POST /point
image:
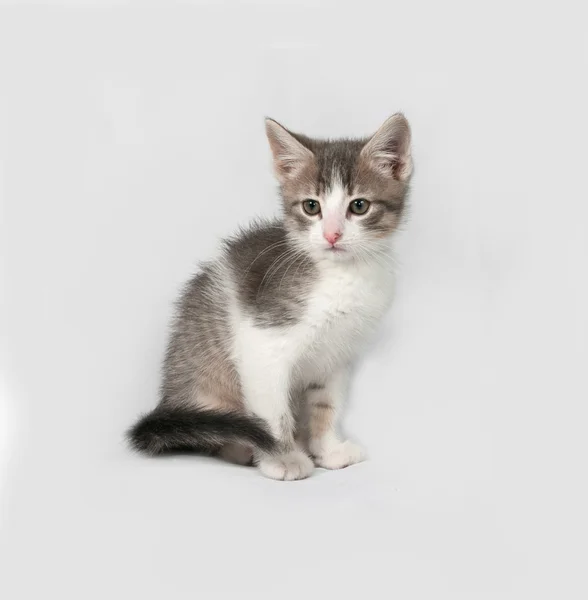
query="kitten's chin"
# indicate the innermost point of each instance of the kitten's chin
(335, 254)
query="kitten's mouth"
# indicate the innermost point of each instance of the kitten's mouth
(335, 249)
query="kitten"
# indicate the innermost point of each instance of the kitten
(258, 361)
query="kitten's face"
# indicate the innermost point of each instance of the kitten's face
(344, 198)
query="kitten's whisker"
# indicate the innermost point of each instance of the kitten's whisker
(380, 257)
(274, 245)
(301, 264)
(276, 262)
(300, 254)
(377, 256)
(385, 249)
(274, 268)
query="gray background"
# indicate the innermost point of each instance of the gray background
(131, 140)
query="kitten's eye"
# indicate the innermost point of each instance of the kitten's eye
(311, 207)
(359, 206)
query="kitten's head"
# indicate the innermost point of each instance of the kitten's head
(342, 198)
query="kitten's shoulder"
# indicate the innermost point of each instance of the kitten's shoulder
(254, 238)
(270, 274)
(255, 247)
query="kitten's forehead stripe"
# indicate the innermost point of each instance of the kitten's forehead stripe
(337, 162)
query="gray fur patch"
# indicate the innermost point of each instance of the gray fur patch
(271, 273)
(197, 361)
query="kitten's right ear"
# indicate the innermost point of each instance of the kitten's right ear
(288, 153)
(388, 150)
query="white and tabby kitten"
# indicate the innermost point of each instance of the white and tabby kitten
(257, 364)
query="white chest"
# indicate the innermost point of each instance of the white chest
(342, 310)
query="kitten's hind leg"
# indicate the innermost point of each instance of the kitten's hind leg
(237, 453)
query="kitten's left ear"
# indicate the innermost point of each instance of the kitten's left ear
(289, 154)
(388, 150)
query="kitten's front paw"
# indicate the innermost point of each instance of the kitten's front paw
(340, 455)
(287, 467)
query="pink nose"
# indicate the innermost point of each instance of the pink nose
(332, 237)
